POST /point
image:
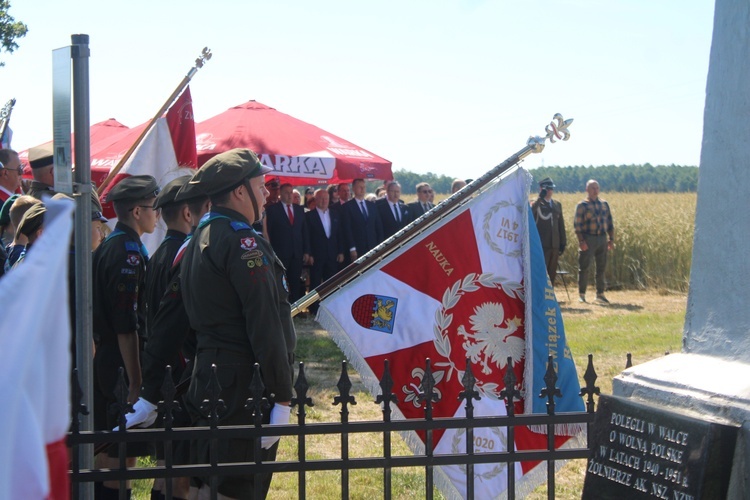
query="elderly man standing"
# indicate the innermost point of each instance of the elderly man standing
(422, 205)
(596, 236)
(551, 226)
(236, 297)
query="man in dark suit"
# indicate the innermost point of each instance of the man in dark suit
(362, 226)
(422, 205)
(287, 232)
(393, 212)
(326, 241)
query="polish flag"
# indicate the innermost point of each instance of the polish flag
(35, 366)
(166, 152)
(473, 285)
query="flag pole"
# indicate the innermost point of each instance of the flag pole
(557, 129)
(5, 116)
(199, 62)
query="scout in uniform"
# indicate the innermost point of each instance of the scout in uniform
(177, 218)
(119, 270)
(237, 300)
(170, 342)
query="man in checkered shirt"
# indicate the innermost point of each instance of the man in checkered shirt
(596, 236)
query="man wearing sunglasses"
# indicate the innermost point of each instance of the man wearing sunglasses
(422, 205)
(11, 171)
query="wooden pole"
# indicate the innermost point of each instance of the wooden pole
(199, 62)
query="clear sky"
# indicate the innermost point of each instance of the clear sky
(450, 87)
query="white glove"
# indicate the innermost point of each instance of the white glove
(279, 416)
(144, 414)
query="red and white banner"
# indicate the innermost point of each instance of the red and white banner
(35, 366)
(167, 152)
(457, 291)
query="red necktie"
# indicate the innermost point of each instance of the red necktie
(290, 213)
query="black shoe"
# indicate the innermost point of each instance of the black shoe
(601, 298)
(582, 298)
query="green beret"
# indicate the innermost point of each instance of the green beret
(189, 192)
(135, 187)
(5, 210)
(168, 194)
(41, 156)
(227, 170)
(32, 219)
(96, 206)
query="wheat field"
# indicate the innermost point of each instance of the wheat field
(653, 234)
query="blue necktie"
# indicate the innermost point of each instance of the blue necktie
(364, 210)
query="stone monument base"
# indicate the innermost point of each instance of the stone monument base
(710, 387)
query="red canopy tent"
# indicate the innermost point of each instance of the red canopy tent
(102, 134)
(300, 153)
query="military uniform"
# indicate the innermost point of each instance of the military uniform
(37, 189)
(119, 272)
(550, 223)
(236, 297)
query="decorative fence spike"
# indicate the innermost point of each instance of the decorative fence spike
(169, 405)
(510, 393)
(300, 388)
(469, 393)
(121, 407)
(629, 362)
(590, 389)
(213, 405)
(428, 394)
(551, 390)
(257, 403)
(386, 396)
(344, 386)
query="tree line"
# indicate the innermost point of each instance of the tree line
(623, 178)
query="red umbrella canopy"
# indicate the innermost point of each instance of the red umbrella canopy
(101, 134)
(300, 153)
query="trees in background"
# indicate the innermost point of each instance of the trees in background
(10, 30)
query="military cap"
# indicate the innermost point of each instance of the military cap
(135, 187)
(32, 219)
(41, 156)
(227, 170)
(5, 210)
(169, 193)
(189, 191)
(546, 183)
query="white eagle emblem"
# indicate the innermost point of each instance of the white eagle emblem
(492, 340)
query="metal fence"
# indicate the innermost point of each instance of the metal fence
(344, 430)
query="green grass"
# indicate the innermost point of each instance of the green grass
(609, 334)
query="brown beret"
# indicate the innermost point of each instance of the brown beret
(169, 193)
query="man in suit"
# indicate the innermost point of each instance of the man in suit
(287, 232)
(326, 241)
(422, 205)
(362, 226)
(394, 213)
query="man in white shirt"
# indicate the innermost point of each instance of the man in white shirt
(326, 241)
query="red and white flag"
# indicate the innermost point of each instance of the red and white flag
(35, 366)
(462, 289)
(166, 152)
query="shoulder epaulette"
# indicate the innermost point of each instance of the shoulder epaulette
(132, 246)
(239, 226)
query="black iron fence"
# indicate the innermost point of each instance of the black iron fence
(344, 430)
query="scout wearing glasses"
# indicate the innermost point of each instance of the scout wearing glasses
(119, 271)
